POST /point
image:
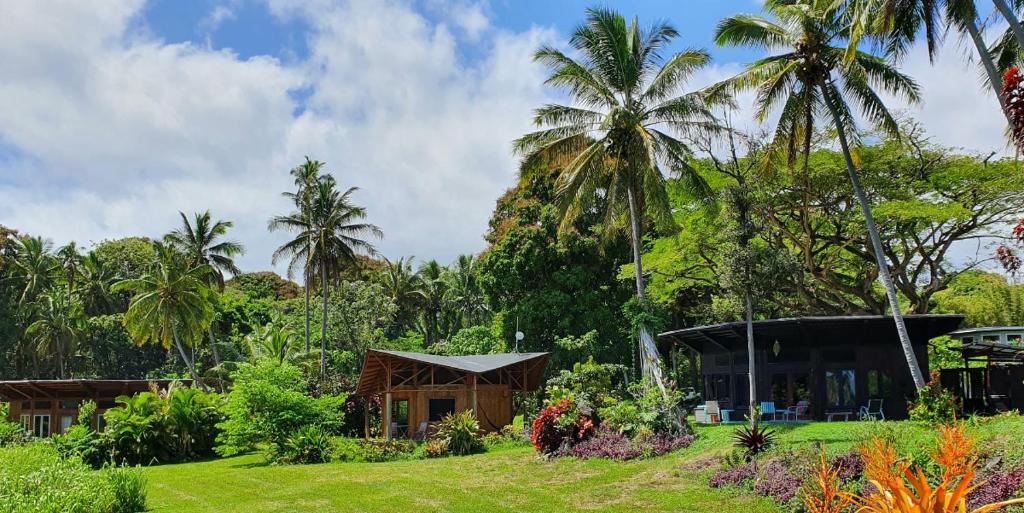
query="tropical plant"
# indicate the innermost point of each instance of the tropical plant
(464, 294)
(613, 140)
(273, 341)
(811, 76)
(329, 236)
(825, 493)
(58, 328)
(403, 286)
(94, 284)
(172, 305)
(305, 177)
(308, 444)
(435, 319)
(461, 433)
(70, 261)
(753, 440)
(33, 268)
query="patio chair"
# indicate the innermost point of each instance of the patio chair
(873, 410)
(768, 408)
(700, 414)
(713, 411)
(393, 430)
(801, 408)
(421, 432)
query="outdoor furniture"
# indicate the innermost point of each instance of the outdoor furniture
(421, 432)
(727, 414)
(845, 414)
(700, 415)
(873, 410)
(768, 408)
(801, 408)
(713, 411)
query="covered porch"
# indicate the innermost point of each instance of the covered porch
(992, 378)
(829, 366)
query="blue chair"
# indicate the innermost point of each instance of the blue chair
(768, 408)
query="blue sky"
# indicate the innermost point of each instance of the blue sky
(161, 106)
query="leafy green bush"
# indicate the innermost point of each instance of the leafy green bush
(83, 443)
(436, 448)
(36, 479)
(11, 433)
(934, 404)
(508, 436)
(588, 385)
(648, 411)
(374, 450)
(309, 444)
(267, 405)
(461, 432)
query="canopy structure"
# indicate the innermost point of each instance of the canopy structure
(992, 378)
(420, 389)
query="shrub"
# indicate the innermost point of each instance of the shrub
(934, 403)
(777, 482)
(589, 384)
(753, 440)
(83, 443)
(614, 445)
(738, 475)
(998, 487)
(648, 411)
(374, 450)
(11, 433)
(436, 448)
(308, 444)
(267, 405)
(461, 432)
(36, 479)
(848, 466)
(558, 425)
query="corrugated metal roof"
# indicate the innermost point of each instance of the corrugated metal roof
(472, 363)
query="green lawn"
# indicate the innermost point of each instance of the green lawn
(512, 480)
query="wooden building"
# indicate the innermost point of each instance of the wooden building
(423, 388)
(47, 407)
(836, 364)
(992, 378)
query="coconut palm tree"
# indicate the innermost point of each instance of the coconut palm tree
(33, 268)
(434, 290)
(404, 287)
(305, 177)
(329, 238)
(201, 242)
(172, 305)
(94, 285)
(621, 132)
(808, 78)
(58, 328)
(464, 292)
(273, 341)
(70, 260)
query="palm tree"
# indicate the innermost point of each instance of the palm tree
(34, 268)
(434, 290)
(1010, 16)
(305, 176)
(464, 292)
(70, 262)
(329, 237)
(809, 77)
(58, 328)
(202, 243)
(172, 304)
(613, 141)
(403, 286)
(273, 341)
(94, 285)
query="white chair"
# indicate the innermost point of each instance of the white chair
(713, 411)
(873, 410)
(801, 408)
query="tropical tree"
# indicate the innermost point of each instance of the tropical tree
(201, 242)
(274, 341)
(434, 291)
(172, 304)
(617, 137)
(305, 177)
(33, 268)
(464, 293)
(404, 287)
(329, 238)
(70, 260)
(809, 77)
(94, 284)
(58, 328)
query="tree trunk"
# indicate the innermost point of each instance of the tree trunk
(995, 80)
(188, 361)
(634, 223)
(60, 360)
(752, 377)
(306, 286)
(876, 243)
(1011, 18)
(323, 322)
(213, 345)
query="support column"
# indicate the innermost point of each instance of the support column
(366, 418)
(387, 416)
(476, 413)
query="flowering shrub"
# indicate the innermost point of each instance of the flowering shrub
(777, 482)
(934, 403)
(998, 487)
(737, 475)
(558, 425)
(1013, 96)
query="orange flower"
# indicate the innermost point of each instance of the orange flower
(955, 452)
(829, 497)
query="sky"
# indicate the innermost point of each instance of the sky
(117, 114)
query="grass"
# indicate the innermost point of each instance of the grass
(507, 480)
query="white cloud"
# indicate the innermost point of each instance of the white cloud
(115, 131)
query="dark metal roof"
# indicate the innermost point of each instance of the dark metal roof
(994, 351)
(374, 373)
(811, 330)
(36, 388)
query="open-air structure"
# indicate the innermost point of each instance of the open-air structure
(834, 365)
(48, 407)
(992, 378)
(420, 389)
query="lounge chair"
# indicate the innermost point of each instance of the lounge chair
(873, 410)
(801, 408)
(421, 432)
(713, 412)
(768, 408)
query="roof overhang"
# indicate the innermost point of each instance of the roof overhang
(58, 388)
(373, 378)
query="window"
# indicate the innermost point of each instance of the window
(840, 389)
(26, 422)
(879, 384)
(65, 423)
(1013, 339)
(439, 408)
(991, 338)
(69, 404)
(43, 405)
(41, 426)
(967, 340)
(26, 405)
(780, 389)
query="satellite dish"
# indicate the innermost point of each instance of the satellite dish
(520, 336)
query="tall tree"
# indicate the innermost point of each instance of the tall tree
(330, 236)
(94, 285)
(70, 260)
(810, 77)
(58, 328)
(33, 268)
(305, 177)
(201, 241)
(464, 292)
(404, 287)
(434, 291)
(171, 305)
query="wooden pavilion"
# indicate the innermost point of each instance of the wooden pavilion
(992, 378)
(47, 407)
(420, 389)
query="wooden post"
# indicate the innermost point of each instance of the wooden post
(387, 415)
(366, 418)
(475, 412)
